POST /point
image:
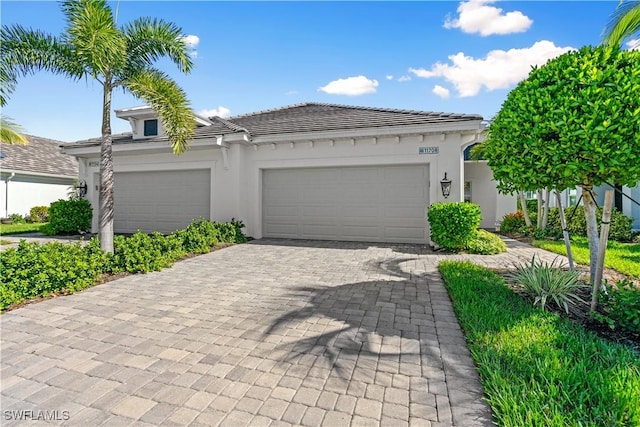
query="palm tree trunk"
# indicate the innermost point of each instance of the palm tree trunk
(589, 205)
(106, 175)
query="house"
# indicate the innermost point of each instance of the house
(626, 199)
(306, 171)
(35, 174)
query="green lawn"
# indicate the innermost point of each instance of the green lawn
(6, 229)
(538, 369)
(622, 257)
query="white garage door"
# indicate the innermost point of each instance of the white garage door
(374, 204)
(162, 201)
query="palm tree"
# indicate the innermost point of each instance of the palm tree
(624, 23)
(11, 132)
(92, 45)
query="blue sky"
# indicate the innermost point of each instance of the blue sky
(448, 56)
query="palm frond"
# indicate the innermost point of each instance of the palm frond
(11, 132)
(624, 23)
(149, 39)
(25, 51)
(92, 32)
(169, 101)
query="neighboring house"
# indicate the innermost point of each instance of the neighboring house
(626, 200)
(35, 174)
(307, 171)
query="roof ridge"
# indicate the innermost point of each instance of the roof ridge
(354, 107)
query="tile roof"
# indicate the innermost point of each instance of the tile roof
(318, 117)
(41, 155)
(312, 117)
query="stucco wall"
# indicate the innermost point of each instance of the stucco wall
(26, 192)
(237, 182)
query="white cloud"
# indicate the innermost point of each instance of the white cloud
(475, 16)
(192, 42)
(220, 112)
(402, 79)
(498, 70)
(633, 44)
(351, 86)
(442, 92)
(389, 77)
(291, 92)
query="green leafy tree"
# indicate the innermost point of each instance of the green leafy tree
(573, 122)
(624, 23)
(92, 45)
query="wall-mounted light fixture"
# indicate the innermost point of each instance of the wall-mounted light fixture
(446, 186)
(82, 188)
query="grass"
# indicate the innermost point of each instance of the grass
(4, 242)
(537, 368)
(6, 229)
(622, 257)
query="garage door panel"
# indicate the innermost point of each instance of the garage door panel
(382, 203)
(161, 201)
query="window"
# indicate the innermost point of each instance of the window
(467, 191)
(151, 127)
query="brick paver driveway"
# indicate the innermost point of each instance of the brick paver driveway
(273, 332)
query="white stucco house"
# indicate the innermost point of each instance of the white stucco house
(35, 174)
(307, 171)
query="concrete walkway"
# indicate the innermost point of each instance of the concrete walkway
(274, 332)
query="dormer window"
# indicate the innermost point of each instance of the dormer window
(151, 127)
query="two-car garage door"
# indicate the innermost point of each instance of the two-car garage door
(377, 203)
(162, 201)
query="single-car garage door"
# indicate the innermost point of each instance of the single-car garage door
(375, 204)
(162, 201)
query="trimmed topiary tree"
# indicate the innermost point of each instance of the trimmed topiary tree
(573, 122)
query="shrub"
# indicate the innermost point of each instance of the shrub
(17, 219)
(619, 228)
(69, 216)
(513, 223)
(39, 214)
(621, 305)
(32, 269)
(543, 281)
(532, 206)
(199, 236)
(486, 243)
(142, 253)
(454, 224)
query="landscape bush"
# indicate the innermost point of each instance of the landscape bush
(142, 253)
(619, 227)
(34, 269)
(69, 216)
(549, 282)
(39, 214)
(538, 369)
(17, 219)
(513, 223)
(621, 305)
(486, 243)
(454, 224)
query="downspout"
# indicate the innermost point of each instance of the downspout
(6, 194)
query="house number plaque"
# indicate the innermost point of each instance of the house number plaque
(427, 150)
